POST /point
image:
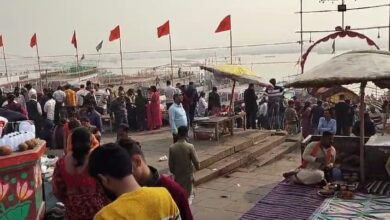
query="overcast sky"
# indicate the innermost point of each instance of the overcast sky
(193, 22)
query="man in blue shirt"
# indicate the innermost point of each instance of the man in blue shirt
(177, 115)
(327, 123)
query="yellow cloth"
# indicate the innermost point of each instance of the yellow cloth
(70, 98)
(146, 203)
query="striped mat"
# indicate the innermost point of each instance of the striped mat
(362, 207)
(286, 201)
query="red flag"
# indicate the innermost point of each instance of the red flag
(74, 40)
(163, 29)
(1, 40)
(225, 25)
(33, 41)
(115, 34)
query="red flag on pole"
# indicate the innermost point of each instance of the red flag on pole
(225, 25)
(115, 34)
(1, 40)
(33, 41)
(163, 29)
(74, 40)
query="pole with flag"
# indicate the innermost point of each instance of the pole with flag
(98, 49)
(162, 31)
(34, 43)
(74, 42)
(114, 35)
(226, 25)
(5, 60)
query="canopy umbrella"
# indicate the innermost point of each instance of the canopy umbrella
(347, 68)
(237, 73)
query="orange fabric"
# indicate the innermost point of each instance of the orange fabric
(94, 143)
(70, 98)
(329, 153)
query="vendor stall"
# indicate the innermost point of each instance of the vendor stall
(351, 67)
(21, 192)
(21, 184)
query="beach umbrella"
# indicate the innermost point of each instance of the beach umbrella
(351, 67)
(237, 73)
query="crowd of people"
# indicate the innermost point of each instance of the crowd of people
(114, 181)
(295, 116)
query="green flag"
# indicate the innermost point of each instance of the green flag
(99, 46)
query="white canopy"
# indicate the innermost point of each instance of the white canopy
(348, 68)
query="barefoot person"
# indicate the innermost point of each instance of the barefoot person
(318, 158)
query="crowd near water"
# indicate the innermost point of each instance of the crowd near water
(113, 180)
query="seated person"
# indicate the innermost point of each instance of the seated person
(327, 123)
(369, 127)
(317, 158)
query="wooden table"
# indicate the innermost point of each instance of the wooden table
(219, 122)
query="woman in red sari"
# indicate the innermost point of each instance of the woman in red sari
(71, 183)
(155, 121)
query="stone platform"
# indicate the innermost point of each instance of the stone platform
(217, 158)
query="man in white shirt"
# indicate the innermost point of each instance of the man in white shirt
(31, 91)
(49, 107)
(35, 113)
(80, 96)
(59, 96)
(177, 116)
(101, 99)
(169, 92)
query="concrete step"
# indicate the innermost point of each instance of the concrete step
(218, 153)
(238, 159)
(271, 156)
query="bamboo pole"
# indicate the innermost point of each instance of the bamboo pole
(231, 46)
(5, 65)
(386, 116)
(301, 42)
(77, 64)
(361, 118)
(170, 51)
(231, 62)
(120, 51)
(39, 67)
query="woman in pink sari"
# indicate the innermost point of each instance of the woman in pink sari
(154, 111)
